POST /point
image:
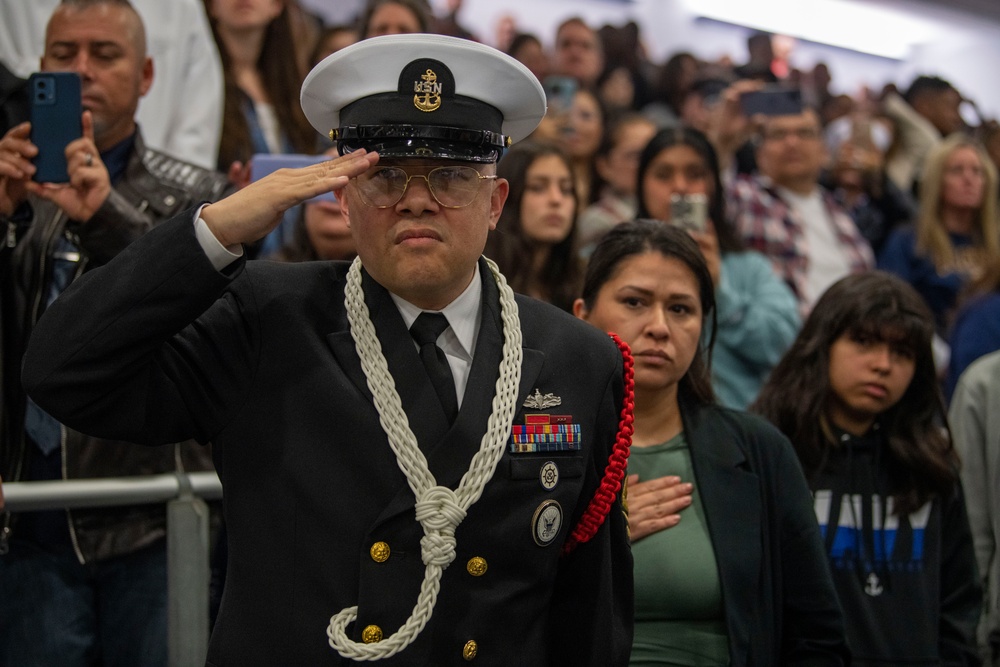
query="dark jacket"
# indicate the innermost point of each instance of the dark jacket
(260, 360)
(154, 187)
(779, 600)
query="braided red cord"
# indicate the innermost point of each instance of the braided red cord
(611, 484)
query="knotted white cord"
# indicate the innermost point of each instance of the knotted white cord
(438, 509)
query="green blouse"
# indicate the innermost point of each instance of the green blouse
(679, 618)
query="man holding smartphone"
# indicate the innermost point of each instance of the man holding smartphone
(106, 567)
(374, 424)
(782, 210)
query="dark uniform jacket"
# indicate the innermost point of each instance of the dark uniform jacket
(159, 346)
(153, 188)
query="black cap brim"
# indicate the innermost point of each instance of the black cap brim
(423, 141)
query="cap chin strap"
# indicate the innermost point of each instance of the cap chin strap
(438, 509)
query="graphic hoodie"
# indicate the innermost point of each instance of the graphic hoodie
(907, 584)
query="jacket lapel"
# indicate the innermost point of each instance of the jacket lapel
(449, 456)
(730, 493)
(411, 381)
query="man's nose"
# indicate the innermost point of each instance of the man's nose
(82, 64)
(417, 197)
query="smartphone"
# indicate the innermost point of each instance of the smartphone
(772, 102)
(689, 212)
(559, 93)
(263, 164)
(55, 122)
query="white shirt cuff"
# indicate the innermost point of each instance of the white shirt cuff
(219, 255)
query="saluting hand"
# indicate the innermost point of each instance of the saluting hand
(656, 505)
(249, 214)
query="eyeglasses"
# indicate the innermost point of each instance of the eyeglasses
(452, 187)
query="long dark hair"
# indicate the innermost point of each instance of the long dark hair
(641, 236)
(281, 75)
(796, 397)
(698, 142)
(614, 131)
(513, 251)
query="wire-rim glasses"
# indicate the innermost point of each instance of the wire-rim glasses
(451, 187)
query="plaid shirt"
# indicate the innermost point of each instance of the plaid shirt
(766, 223)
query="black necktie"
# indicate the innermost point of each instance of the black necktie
(425, 330)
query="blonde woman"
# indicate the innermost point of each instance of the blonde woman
(956, 233)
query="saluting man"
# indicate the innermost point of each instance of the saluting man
(405, 446)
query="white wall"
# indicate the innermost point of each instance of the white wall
(958, 47)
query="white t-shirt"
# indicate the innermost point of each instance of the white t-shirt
(828, 261)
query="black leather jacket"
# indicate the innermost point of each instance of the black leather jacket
(154, 188)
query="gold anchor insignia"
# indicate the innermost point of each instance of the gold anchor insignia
(538, 401)
(427, 91)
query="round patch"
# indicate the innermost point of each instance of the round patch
(546, 522)
(549, 475)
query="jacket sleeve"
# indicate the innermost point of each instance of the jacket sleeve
(758, 314)
(592, 608)
(113, 227)
(120, 355)
(813, 630)
(968, 421)
(961, 593)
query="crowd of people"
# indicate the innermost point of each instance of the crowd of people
(811, 295)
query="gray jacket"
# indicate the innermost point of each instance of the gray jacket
(975, 426)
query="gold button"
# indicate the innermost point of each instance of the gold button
(371, 634)
(380, 552)
(470, 650)
(476, 566)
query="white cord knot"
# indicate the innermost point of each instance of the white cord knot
(438, 549)
(438, 510)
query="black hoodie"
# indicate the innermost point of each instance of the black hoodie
(907, 584)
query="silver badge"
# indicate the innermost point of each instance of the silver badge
(549, 475)
(540, 401)
(546, 522)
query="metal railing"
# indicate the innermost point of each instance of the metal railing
(187, 539)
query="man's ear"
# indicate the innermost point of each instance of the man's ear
(501, 188)
(147, 76)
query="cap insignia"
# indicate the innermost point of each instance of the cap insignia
(427, 92)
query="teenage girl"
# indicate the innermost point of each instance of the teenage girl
(858, 397)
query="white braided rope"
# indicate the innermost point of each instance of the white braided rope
(438, 509)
